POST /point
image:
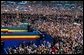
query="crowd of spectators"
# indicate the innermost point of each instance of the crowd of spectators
(67, 30)
(67, 34)
(70, 31)
(61, 47)
(42, 7)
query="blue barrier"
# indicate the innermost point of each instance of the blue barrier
(12, 43)
(22, 33)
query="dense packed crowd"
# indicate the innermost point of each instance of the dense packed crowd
(61, 47)
(67, 31)
(70, 31)
(42, 7)
(67, 34)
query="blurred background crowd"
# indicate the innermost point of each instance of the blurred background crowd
(63, 20)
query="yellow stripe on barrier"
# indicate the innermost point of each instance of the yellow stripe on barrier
(16, 30)
(19, 36)
(4, 30)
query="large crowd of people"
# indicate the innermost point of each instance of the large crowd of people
(47, 8)
(65, 26)
(45, 48)
(70, 31)
(60, 47)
